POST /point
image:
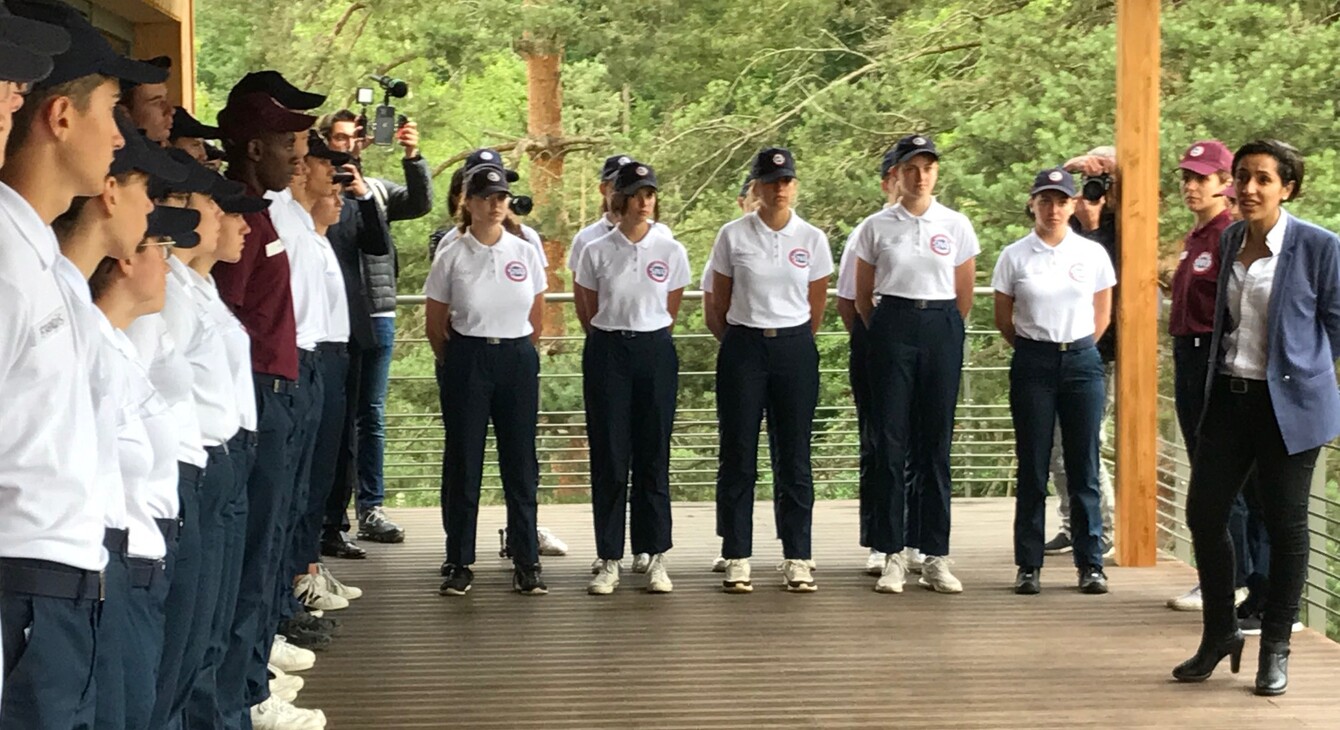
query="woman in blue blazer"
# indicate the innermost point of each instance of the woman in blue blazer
(1271, 403)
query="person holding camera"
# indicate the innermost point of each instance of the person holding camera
(516, 207)
(1094, 218)
(372, 310)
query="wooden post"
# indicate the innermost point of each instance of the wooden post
(1137, 309)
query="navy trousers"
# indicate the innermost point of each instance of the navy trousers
(243, 680)
(307, 417)
(49, 650)
(776, 370)
(207, 704)
(631, 381)
(915, 364)
(333, 361)
(113, 643)
(1047, 383)
(481, 380)
(181, 604)
(142, 641)
(858, 376)
(217, 492)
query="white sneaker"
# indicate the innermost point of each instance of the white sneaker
(606, 580)
(894, 575)
(598, 563)
(658, 579)
(1239, 596)
(718, 564)
(284, 679)
(286, 688)
(798, 577)
(549, 542)
(1189, 601)
(290, 658)
(311, 592)
(276, 714)
(914, 559)
(935, 575)
(335, 587)
(874, 563)
(641, 563)
(737, 577)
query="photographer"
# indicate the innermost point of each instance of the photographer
(372, 319)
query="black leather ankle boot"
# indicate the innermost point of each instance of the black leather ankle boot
(1199, 667)
(1272, 673)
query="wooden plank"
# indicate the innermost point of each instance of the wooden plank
(1137, 307)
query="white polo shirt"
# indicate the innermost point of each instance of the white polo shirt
(50, 506)
(1053, 286)
(200, 339)
(599, 229)
(846, 279)
(171, 375)
(771, 270)
(633, 281)
(237, 345)
(307, 267)
(337, 298)
(915, 256)
(146, 450)
(490, 289)
(530, 235)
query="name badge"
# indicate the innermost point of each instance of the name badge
(274, 248)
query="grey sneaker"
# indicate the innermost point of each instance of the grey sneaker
(737, 577)
(374, 525)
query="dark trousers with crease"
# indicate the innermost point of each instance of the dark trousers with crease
(333, 362)
(858, 376)
(776, 370)
(1240, 433)
(181, 604)
(143, 641)
(307, 417)
(915, 363)
(631, 381)
(1191, 366)
(113, 643)
(481, 381)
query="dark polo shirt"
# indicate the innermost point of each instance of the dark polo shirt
(1195, 283)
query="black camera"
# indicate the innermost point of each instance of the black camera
(342, 178)
(385, 121)
(521, 205)
(1095, 187)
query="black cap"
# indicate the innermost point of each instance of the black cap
(175, 223)
(185, 126)
(89, 52)
(242, 204)
(274, 85)
(33, 36)
(317, 147)
(23, 66)
(199, 179)
(633, 177)
(141, 154)
(1056, 178)
(907, 148)
(489, 157)
(485, 180)
(773, 164)
(744, 188)
(163, 62)
(612, 165)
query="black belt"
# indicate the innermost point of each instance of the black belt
(217, 452)
(488, 340)
(632, 334)
(892, 302)
(242, 440)
(274, 383)
(1196, 341)
(771, 332)
(53, 580)
(188, 472)
(144, 571)
(115, 540)
(1082, 343)
(1241, 386)
(307, 358)
(332, 347)
(170, 527)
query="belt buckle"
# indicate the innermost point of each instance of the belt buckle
(627, 334)
(1063, 346)
(919, 304)
(102, 585)
(770, 332)
(277, 385)
(1237, 386)
(492, 340)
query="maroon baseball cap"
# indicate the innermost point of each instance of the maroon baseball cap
(248, 116)
(1207, 158)
(1229, 192)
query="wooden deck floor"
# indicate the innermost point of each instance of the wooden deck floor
(842, 657)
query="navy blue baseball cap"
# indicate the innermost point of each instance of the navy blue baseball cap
(33, 36)
(274, 85)
(612, 165)
(175, 223)
(1056, 178)
(242, 204)
(89, 53)
(905, 149)
(487, 157)
(139, 153)
(185, 126)
(634, 176)
(485, 180)
(198, 179)
(22, 65)
(317, 147)
(773, 164)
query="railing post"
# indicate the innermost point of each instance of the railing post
(1314, 616)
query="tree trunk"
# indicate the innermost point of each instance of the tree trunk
(544, 86)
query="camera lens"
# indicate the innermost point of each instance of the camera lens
(1095, 188)
(522, 205)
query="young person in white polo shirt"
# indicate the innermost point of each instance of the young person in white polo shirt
(1053, 302)
(919, 258)
(770, 288)
(631, 282)
(484, 315)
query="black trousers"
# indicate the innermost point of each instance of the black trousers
(915, 364)
(481, 381)
(345, 484)
(631, 381)
(1238, 434)
(333, 361)
(776, 370)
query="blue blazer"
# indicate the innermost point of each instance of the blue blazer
(1303, 322)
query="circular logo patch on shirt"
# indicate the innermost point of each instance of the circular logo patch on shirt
(1202, 263)
(940, 244)
(779, 159)
(1055, 176)
(658, 271)
(800, 258)
(516, 271)
(1079, 273)
(1197, 151)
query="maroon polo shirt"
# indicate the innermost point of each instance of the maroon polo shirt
(257, 289)
(1196, 280)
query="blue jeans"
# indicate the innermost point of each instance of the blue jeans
(372, 415)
